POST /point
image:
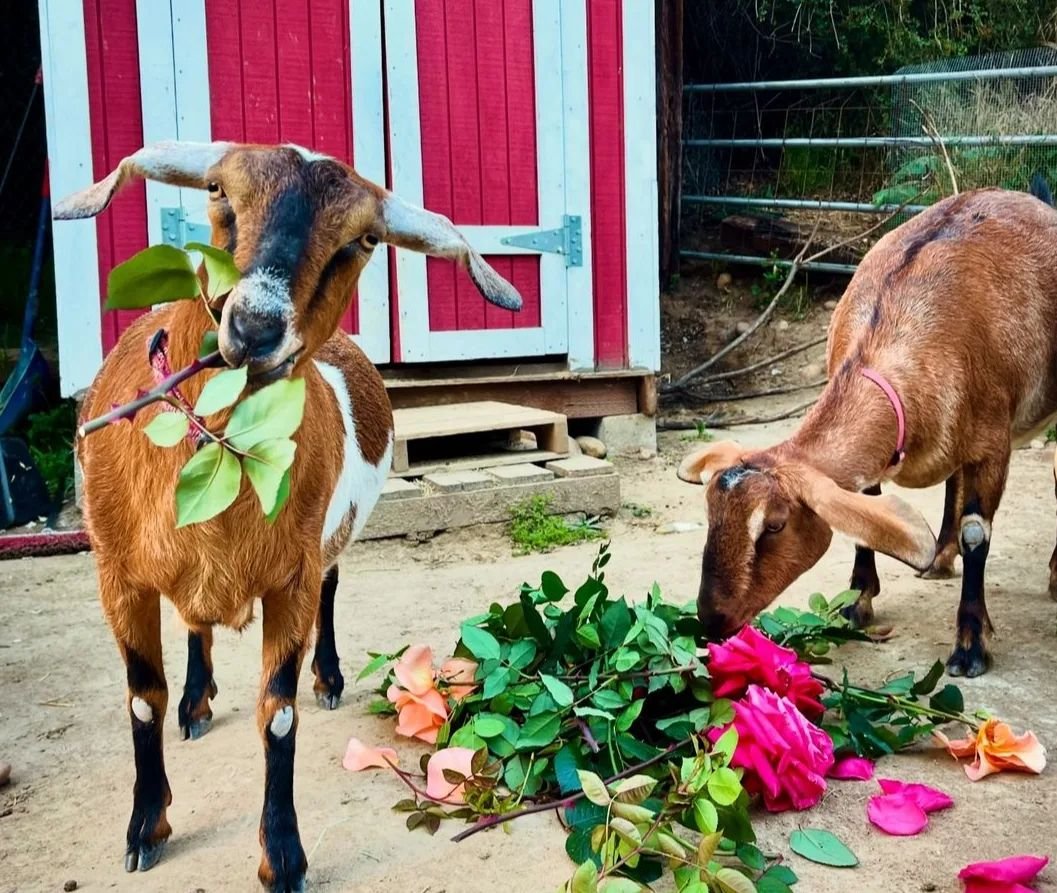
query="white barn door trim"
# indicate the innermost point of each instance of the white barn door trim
(187, 117)
(555, 118)
(64, 62)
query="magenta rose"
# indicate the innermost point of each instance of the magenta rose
(750, 658)
(785, 757)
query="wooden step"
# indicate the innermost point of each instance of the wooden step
(490, 419)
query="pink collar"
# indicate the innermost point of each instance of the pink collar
(878, 379)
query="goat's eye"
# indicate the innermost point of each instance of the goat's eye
(369, 240)
(214, 190)
(774, 526)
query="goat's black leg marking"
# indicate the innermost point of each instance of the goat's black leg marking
(983, 490)
(864, 580)
(1053, 557)
(194, 711)
(947, 544)
(283, 862)
(329, 682)
(148, 828)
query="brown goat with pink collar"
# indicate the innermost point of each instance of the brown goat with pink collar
(942, 355)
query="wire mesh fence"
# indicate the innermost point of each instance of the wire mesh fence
(765, 161)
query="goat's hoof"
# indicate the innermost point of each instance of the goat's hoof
(860, 615)
(196, 728)
(939, 572)
(144, 857)
(283, 866)
(972, 661)
(1053, 590)
(328, 700)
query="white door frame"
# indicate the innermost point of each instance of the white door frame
(561, 132)
(188, 118)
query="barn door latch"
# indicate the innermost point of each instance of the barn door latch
(177, 230)
(566, 241)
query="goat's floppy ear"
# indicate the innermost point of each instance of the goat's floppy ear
(178, 163)
(882, 523)
(429, 233)
(708, 460)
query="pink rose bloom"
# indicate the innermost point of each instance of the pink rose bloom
(750, 658)
(784, 756)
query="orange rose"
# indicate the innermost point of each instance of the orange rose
(997, 749)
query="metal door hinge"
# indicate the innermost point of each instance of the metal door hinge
(177, 230)
(567, 241)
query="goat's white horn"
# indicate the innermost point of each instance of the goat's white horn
(421, 230)
(178, 163)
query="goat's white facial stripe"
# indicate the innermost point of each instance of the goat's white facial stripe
(282, 721)
(142, 710)
(756, 523)
(266, 293)
(360, 483)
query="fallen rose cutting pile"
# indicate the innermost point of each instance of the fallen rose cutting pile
(654, 746)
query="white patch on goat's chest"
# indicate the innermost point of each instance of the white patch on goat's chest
(360, 483)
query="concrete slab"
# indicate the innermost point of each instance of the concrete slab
(580, 466)
(521, 474)
(398, 488)
(628, 435)
(458, 481)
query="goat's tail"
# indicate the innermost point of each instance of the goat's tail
(1040, 188)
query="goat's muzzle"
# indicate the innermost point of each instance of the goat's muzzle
(258, 330)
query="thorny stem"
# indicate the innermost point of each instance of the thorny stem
(886, 700)
(405, 777)
(159, 392)
(491, 821)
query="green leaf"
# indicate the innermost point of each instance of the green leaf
(615, 623)
(466, 737)
(729, 880)
(167, 428)
(607, 699)
(598, 714)
(588, 636)
(209, 344)
(156, 275)
(639, 814)
(628, 717)
(634, 789)
(280, 498)
(221, 391)
(539, 731)
(220, 268)
(496, 682)
(928, 683)
(585, 879)
(949, 699)
(776, 879)
(208, 484)
(266, 466)
(620, 885)
(822, 847)
(376, 663)
(566, 764)
(724, 786)
(522, 653)
(552, 587)
(726, 743)
(272, 412)
(751, 857)
(562, 694)
(627, 830)
(594, 788)
(534, 622)
(488, 725)
(705, 816)
(722, 713)
(817, 603)
(482, 644)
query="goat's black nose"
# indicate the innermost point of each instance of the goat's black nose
(256, 335)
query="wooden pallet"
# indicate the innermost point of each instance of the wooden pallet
(489, 418)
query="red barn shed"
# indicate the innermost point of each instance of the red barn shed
(530, 123)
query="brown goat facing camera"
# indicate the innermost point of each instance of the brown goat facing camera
(942, 354)
(301, 228)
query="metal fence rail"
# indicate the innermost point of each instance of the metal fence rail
(841, 147)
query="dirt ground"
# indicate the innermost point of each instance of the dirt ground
(63, 724)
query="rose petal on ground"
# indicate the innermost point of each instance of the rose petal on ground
(1011, 870)
(928, 798)
(975, 885)
(896, 814)
(359, 756)
(852, 769)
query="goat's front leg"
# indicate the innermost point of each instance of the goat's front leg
(947, 544)
(864, 580)
(135, 618)
(194, 712)
(984, 484)
(288, 618)
(1053, 557)
(329, 682)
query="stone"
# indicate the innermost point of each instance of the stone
(811, 371)
(830, 305)
(574, 447)
(581, 466)
(724, 281)
(1038, 444)
(457, 481)
(742, 327)
(399, 488)
(521, 441)
(783, 325)
(591, 446)
(5, 773)
(681, 527)
(625, 435)
(647, 455)
(69, 886)
(521, 474)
